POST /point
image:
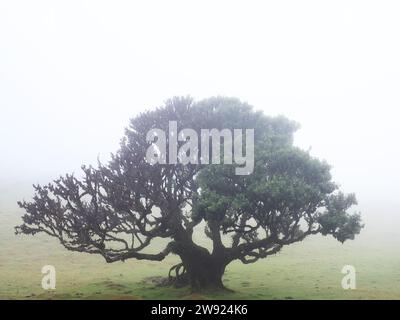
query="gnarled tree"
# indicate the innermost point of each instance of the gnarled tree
(121, 208)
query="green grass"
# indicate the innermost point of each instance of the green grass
(308, 270)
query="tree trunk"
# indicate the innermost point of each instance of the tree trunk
(204, 270)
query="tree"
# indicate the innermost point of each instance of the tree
(119, 209)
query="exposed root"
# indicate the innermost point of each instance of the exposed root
(180, 278)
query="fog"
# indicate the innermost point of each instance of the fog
(73, 73)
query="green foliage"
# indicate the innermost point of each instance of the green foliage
(336, 221)
(289, 195)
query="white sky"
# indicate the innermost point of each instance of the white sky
(72, 73)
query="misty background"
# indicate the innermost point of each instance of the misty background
(73, 73)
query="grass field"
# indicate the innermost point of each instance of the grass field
(308, 270)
